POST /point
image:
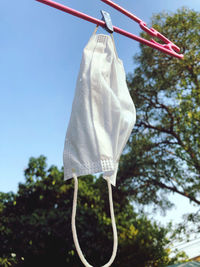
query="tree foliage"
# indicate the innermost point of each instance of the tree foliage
(163, 154)
(35, 224)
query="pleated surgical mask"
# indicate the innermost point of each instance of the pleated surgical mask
(102, 118)
(103, 113)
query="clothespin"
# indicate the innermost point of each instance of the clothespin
(108, 21)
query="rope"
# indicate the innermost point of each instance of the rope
(115, 241)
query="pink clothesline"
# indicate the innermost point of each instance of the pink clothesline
(167, 48)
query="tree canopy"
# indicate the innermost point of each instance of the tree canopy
(35, 224)
(163, 154)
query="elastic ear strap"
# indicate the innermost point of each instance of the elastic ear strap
(115, 243)
(74, 223)
(95, 30)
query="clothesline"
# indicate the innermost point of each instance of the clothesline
(168, 48)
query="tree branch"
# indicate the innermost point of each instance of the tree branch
(175, 190)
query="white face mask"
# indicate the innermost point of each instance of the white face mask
(101, 122)
(103, 114)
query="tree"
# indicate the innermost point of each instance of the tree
(35, 223)
(163, 154)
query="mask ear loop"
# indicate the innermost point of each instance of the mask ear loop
(73, 222)
(95, 30)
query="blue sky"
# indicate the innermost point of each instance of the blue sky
(40, 54)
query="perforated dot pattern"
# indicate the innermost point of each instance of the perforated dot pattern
(103, 165)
